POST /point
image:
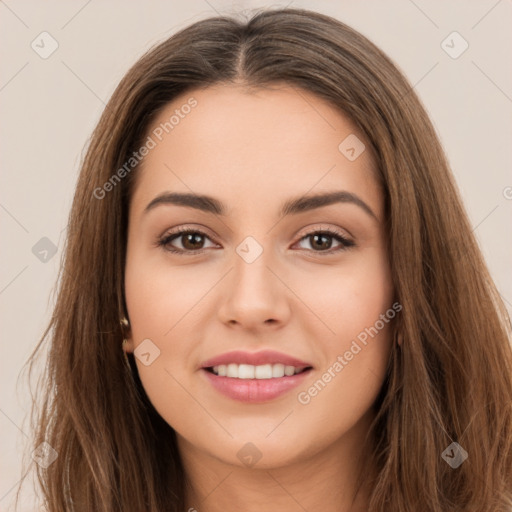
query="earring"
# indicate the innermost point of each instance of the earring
(125, 324)
(125, 355)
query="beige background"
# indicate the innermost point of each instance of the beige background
(50, 106)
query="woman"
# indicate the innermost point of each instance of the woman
(266, 227)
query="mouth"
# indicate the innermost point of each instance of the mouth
(260, 372)
(254, 377)
(255, 383)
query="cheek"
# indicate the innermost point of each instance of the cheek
(350, 297)
(161, 303)
(158, 296)
(167, 306)
(356, 303)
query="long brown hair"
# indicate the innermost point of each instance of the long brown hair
(451, 380)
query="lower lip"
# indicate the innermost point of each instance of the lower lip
(254, 390)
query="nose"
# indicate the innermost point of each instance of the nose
(254, 294)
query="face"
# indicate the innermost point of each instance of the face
(268, 321)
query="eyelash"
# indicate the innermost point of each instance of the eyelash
(164, 242)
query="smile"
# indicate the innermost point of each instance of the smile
(254, 377)
(249, 371)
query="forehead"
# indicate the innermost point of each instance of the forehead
(253, 145)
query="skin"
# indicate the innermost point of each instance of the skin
(253, 150)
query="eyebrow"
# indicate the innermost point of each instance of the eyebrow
(292, 206)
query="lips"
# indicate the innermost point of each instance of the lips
(254, 377)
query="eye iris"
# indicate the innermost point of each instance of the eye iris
(192, 238)
(326, 245)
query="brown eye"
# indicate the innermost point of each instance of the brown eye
(322, 241)
(192, 241)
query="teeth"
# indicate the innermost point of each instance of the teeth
(289, 371)
(248, 371)
(263, 372)
(278, 370)
(232, 370)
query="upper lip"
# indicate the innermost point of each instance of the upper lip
(255, 359)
